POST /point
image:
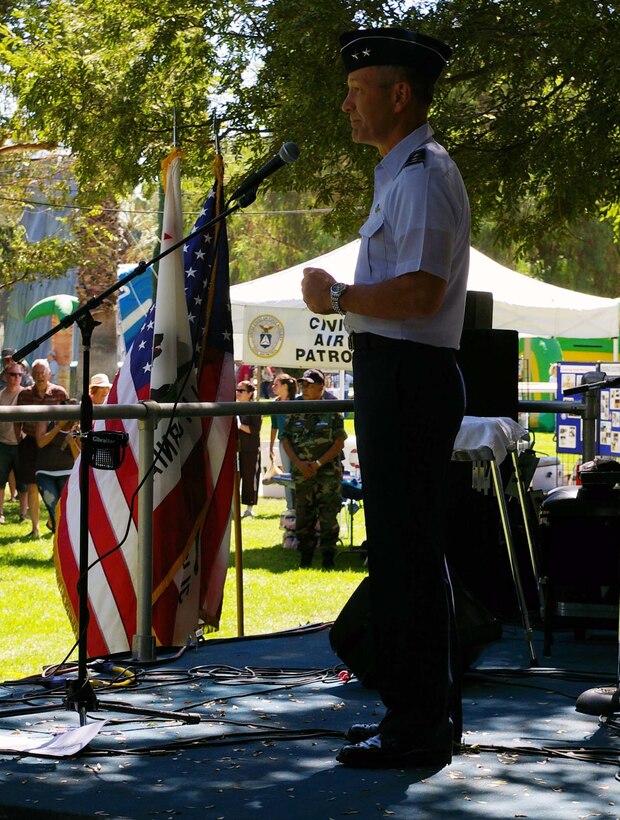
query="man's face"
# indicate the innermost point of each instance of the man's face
(40, 374)
(310, 391)
(13, 377)
(369, 105)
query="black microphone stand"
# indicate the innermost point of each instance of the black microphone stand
(602, 700)
(80, 696)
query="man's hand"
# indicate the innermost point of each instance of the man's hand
(308, 469)
(315, 290)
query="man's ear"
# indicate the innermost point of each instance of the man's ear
(401, 95)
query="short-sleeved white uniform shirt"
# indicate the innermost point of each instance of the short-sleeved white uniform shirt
(419, 220)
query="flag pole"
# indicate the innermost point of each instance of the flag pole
(143, 641)
(236, 480)
(238, 549)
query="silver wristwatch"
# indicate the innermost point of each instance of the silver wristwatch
(335, 292)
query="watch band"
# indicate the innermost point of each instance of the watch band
(335, 292)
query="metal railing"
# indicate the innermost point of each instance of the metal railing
(149, 413)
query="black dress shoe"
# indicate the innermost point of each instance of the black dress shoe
(361, 731)
(305, 561)
(380, 752)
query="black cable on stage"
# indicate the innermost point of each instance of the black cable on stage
(504, 677)
(279, 679)
(271, 680)
(260, 736)
(223, 674)
(52, 679)
(595, 754)
(285, 633)
(543, 672)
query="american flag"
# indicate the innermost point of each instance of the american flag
(193, 458)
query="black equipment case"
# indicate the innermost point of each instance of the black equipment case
(579, 553)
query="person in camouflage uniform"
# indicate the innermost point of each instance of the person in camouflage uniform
(314, 444)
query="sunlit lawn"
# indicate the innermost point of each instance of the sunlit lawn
(35, 631)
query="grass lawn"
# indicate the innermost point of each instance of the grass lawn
(35, 631)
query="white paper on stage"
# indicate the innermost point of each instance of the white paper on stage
(64, 744)
(483, 438)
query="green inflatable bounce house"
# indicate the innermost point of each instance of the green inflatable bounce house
(538, 355)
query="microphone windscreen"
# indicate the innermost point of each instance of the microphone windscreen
(289, 152)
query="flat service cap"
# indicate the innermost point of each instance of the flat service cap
(394, 46)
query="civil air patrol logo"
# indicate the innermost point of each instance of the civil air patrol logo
(265, 335)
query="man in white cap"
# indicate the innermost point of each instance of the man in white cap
(404, 314)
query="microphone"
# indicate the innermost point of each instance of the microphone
(288, 153)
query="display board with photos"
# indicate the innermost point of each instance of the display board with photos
(568, 426)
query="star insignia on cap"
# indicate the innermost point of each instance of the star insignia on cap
(355, 56)
(366, 52)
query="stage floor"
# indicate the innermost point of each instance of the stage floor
(272, 712)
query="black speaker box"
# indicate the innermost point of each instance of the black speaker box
(478, 310)
(489, 362)
(351, 640)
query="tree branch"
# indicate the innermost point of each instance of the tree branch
(28, 146)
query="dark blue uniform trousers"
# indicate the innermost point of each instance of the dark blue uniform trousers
(409, 403)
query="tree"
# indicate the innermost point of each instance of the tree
(275, 235)
(529, 109)
(29, 179)
(529, 105)
(536, 131)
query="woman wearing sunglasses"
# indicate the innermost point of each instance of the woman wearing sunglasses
(249, 449)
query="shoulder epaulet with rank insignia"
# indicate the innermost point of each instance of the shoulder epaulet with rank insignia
(415, 157)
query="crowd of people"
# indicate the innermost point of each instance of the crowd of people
(36, 457)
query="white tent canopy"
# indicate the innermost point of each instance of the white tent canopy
(273, 327)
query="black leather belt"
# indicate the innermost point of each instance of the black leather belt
(370, 341)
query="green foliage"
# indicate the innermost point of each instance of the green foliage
(108, 80)
(26, 181)
(22, 261)
(529, 105)
(85, 237)
(533, 112)
(585, 259)
(275, 234)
